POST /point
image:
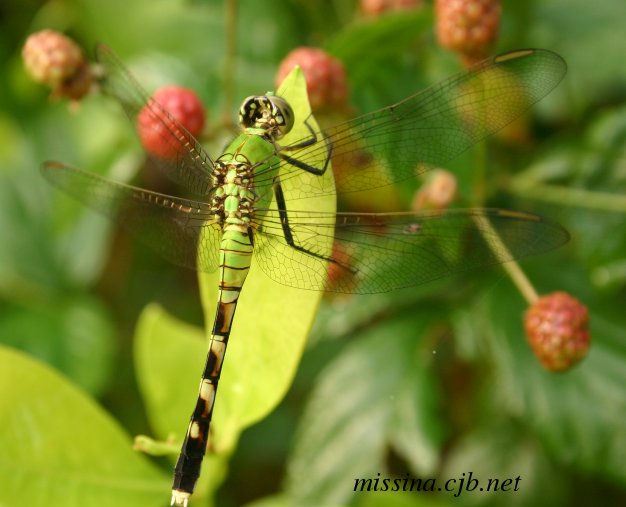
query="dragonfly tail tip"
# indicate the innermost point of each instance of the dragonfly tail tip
(180, 498)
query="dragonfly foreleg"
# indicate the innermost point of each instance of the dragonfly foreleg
(318, 171)
(305, 142)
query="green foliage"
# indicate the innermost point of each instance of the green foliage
(60, 447)
(387, 388)
(566, 414)
(433, 382)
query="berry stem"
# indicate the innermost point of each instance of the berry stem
(521, 281)
(512, 268)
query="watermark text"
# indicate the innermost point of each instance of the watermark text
(466, 482)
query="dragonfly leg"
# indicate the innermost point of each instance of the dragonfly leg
(318, 171)
(284, 220)
(305, 142)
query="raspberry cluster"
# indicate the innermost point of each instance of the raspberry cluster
(469, 27)
(57, 61)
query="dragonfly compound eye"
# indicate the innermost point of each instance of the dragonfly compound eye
(267, 112)
(282, 113)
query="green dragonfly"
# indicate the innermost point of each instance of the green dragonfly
(252, 199)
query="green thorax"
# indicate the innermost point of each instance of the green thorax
(248, 155)
(251, 148)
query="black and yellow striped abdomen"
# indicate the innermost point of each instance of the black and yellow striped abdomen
(235, 257)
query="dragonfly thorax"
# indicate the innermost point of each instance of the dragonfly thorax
(234, 193)
(269, 113)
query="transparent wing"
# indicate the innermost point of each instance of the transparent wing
(187, 163)
(432, 127)
(182, 230)
(382, 252)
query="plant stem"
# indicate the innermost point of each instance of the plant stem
(512, 268)
(228, 80)
(521, 281)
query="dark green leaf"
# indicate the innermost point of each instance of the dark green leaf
(366, 398)
(75, 336)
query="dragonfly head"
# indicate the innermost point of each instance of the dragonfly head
(267, 112)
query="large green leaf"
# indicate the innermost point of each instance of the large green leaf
(591, 48)
(60, 448)
(378, 39)
(168, 356)
(272, 321)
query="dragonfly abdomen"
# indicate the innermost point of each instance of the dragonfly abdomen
(235, 258)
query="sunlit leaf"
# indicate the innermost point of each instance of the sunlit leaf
(61, 449)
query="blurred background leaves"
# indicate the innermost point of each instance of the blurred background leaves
(435, 381)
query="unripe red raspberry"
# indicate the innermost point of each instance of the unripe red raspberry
(57, 61)
(437, 192)
(325, 76)
(377, 7)
(156, 130)
(557, 328)
(469, 27)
